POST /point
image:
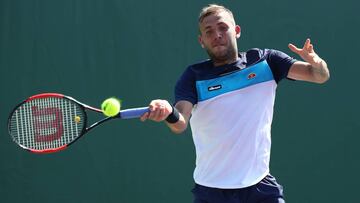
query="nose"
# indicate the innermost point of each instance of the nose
(218, 34)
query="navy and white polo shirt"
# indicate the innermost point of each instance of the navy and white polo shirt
(232, 115)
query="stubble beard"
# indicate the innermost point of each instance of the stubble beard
(226, 57)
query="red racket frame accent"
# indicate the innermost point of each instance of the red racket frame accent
(47, 151)
(43, 95)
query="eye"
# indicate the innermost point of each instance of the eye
(223, 28)
(209, 32)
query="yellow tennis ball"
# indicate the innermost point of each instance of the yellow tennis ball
(111, 107)
(77, 119)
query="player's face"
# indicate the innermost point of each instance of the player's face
(218, 34)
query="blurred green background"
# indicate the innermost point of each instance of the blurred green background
(136, 50)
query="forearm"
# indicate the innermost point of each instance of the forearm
(183, 112)
(178, 127)
(311, 72)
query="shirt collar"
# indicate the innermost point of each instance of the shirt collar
(239, 63)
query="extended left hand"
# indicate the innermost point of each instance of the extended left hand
(307, 53)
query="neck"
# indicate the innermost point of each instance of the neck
(227, 61)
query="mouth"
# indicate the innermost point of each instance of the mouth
(218, 45)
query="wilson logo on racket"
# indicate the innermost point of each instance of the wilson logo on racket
(47, 123)
(213, 88)
(251, 76)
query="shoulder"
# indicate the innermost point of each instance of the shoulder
(272, 56)
(256, 55)
(185, 88)
(192, 72)
(278, 61)
(200, 66)
(198, 71)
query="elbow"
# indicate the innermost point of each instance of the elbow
(178, 128)
(178, 131)
(324, 73)
(324, 78)
(320, 76)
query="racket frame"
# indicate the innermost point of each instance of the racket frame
(85, 127)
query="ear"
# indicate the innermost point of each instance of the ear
(201, 41)
(238, 31)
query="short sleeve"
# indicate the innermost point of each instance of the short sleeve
(185, 88)
(279, 63)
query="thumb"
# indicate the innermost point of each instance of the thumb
(293, 48)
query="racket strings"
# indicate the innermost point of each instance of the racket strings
(47, 123)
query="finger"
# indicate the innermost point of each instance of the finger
(144, 117)
(307, 44)
(152, 109)
(294, 48)
(159, 115)
(152, 114)
(311, 48)
(161, 112)
(152, 106)
(155, 114)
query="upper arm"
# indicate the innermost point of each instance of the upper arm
(185, 108)
(185, 89)
(280, 63)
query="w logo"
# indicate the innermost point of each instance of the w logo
(47, 123)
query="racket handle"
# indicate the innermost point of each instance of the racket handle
(133, 113)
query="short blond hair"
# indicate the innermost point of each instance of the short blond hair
(213, 9)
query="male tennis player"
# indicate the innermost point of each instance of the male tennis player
(230, 100)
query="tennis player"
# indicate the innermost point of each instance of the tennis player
(229, 101)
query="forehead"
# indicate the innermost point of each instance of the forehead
(216, 18)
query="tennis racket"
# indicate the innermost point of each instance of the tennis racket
(50, 122)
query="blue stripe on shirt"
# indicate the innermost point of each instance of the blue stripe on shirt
(252, 75)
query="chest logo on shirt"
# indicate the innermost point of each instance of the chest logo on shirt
(251, 76)
(216, 87)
